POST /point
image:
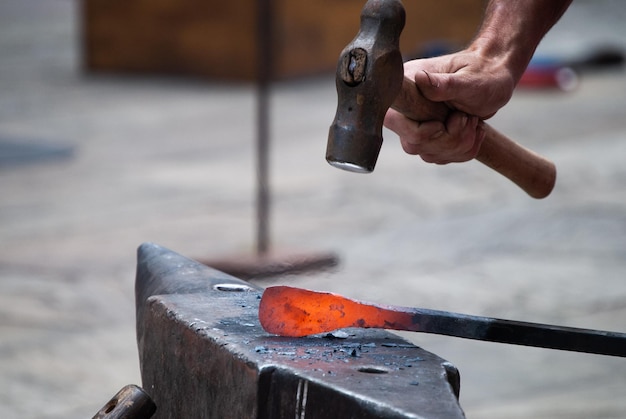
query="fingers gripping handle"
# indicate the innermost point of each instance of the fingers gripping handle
(370, 79)
(532, 172)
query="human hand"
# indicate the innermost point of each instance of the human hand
(467, 81)
(457, 140)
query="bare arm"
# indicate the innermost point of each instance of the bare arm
(511, 30)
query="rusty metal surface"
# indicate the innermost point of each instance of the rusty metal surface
(203, 353)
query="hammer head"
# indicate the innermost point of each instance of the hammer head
(369, 77)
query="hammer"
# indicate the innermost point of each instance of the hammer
(370, 79)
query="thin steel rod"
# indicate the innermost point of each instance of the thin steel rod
(521, 333)
(264, 77)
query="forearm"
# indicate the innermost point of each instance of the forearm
(512, 29)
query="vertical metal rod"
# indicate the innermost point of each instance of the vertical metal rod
(264, 77)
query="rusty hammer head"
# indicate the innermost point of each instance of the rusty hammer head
(369, 77)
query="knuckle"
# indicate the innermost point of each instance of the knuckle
(409, 148)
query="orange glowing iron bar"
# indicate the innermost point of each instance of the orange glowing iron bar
(297, 312)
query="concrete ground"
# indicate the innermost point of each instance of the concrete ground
(90, 167)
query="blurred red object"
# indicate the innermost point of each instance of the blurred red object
(549, 76)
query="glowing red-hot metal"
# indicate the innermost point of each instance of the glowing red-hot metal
(297, 312)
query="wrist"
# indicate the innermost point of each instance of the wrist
(503, 56)
(512, 29)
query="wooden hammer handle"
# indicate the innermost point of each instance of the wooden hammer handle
(530, 171)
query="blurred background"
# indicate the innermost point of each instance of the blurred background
(123, 122)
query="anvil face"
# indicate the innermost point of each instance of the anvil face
(203, 353)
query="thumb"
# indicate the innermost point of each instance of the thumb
(434, 86)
